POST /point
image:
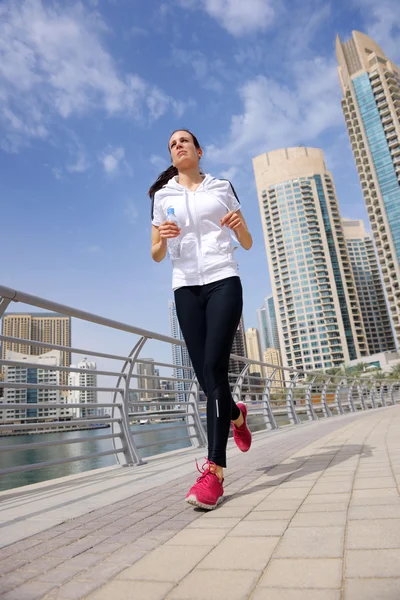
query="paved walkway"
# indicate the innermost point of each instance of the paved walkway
(312, 512)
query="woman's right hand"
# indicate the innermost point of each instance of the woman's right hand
(168, 230)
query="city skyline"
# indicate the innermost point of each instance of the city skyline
(97, 146)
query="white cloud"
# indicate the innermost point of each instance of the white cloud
(57, 172)
(275, 116)
(200, 67)
(53, 62)
(159, 162)
(239, 17)
(131, 212)
(112, 159)
(81, 163)
(382, 24)
(229, 173)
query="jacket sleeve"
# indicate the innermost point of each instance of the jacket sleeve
(232, 199)
(157, 213)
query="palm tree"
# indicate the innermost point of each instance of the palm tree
(395, 372)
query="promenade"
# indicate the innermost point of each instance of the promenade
(312, 512)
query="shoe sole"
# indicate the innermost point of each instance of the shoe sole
(194, 502)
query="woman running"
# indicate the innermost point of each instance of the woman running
(208, 293)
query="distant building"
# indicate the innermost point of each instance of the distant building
(254, 351)
(370, 84)
(51, 328)
(87, 380)
(238, 348)
(273, 357)
(180, 356)
(40, 398)
(147, 379)
(318, 314)
(268, 325)
(371, 295)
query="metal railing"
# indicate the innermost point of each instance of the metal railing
(144, 419)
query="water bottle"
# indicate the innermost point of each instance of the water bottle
(174, 244)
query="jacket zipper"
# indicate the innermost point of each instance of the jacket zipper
(200, 253)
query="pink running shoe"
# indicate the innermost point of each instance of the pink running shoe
(242, 434)
(207, 492)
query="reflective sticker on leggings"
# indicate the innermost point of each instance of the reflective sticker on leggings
(216, 402)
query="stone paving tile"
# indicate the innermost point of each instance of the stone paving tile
(300, 573)
(295, 594)
(215, 585)
(270, 515)
(259, 528)
(167, 563)
(373, 563)
(127, 590)
(197, 537)
(328, 507)
(362, 483)
(252, 553)
(316, 542)
(319, 519)
(380, 533)
(29, 591)
(372, 589)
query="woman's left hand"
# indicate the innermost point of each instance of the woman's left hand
(232, 220)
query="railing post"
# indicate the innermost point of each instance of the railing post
(237, 390)
(361, 394)
(338, 401)
(269, 418)
(192, 412)
(350, 396)
(4, 302)
(391, 394)
(310, 409)
(291, 411)
(325, 408)
(131, 454)
(382, 393)
(372, 394)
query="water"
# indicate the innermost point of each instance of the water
(13, 459)
(24, 457)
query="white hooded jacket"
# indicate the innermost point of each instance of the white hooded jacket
(206, 248)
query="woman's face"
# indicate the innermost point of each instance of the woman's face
(184, 153)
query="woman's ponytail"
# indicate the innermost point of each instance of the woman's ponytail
(161, 180)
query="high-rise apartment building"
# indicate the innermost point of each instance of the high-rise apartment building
(254, 350)
(369, 286)
(238, 348)
(50, 328)
(272, 356)
(371, 105)
(318, 313)
(147, 379)
(86, 380)
(41, 399)
(180, 356)
(268, 325)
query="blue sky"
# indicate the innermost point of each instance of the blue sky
(89, 93)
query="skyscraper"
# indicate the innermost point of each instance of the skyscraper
(43, 327)
(180, 355)
(268, 325)
(83, 379)
(318, 313)
(369, 287)
(238, 348)
(272, 356)
(371, 105)
(253, 350)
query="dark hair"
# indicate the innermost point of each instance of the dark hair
(166, 175)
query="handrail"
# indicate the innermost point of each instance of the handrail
(286, 396)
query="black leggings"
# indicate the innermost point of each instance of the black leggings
(209, 316)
